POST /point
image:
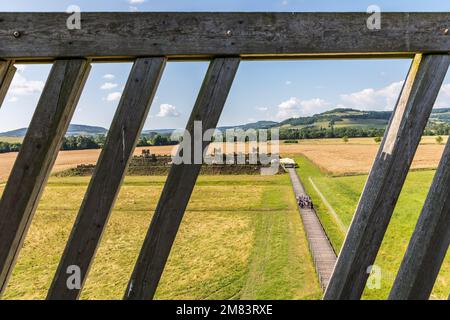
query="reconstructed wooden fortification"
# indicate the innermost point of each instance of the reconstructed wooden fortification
(149, 40)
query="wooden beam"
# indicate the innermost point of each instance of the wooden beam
(37, 156)
(387, 176)
(108, 175)
(179, 184)
(204, 35)
(429, 242)
(7, 71)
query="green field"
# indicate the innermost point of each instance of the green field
(241, 238)
(343, 193)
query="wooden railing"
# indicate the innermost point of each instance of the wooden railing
(149, 40)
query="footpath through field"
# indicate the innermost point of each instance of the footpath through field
(322, 252)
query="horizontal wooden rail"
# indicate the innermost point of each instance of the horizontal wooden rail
(204, 35)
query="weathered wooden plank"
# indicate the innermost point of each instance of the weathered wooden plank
(387, 176)
(429, 242)
(258, 35)
(324, 257)
(108, 176)
(7, 71)
(37, 156)
(180, 183)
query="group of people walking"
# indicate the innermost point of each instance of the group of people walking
(305, 201)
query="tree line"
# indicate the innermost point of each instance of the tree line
(93, 142)
(319, 133)
(437, 129)
(9, 147)
(98, 141)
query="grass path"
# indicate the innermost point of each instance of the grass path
(329, 207)
(281, 257)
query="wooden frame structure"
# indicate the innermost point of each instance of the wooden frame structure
(149, 40)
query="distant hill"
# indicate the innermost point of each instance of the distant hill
(157, 131)
(80, 130)
(253, 125)
(259, 125)
(440, 115)
(343, 117)
(74, 130)
(14, 133)
(339, 118)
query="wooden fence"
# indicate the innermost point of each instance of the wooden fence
(151, 39)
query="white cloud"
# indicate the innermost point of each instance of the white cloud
(288, 82)
(133, 9)
(167, 111)
(136, 1)
(443, 99)
(20, 67)
(21, 86)
(294, 107)
(262, 109)
(109, 76)
(374, 99)
(113, 96)
(446, 89)
(108, 86)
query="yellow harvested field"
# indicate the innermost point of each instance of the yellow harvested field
(342, 159)
(355, 156)
(331, 155)
(69, 159)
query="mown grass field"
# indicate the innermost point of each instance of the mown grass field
(343, 194)
(241, 238)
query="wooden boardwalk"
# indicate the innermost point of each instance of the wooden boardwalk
(322, 252)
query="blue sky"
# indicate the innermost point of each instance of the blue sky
(262, 90)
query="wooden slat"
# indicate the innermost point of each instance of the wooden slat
(429, 242)
(387, 176)
(108, 176)
(179, 184)
(7, 71)
(257, 35)
(37, 156)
